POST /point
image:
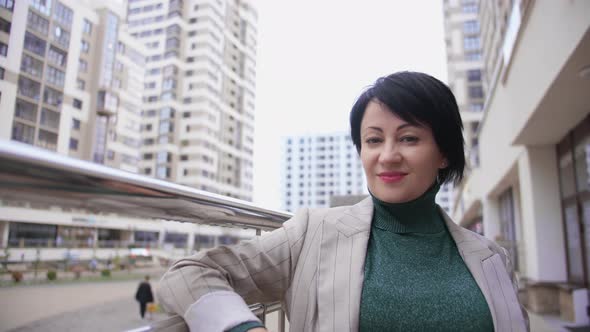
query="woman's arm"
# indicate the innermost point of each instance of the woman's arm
(211, 289)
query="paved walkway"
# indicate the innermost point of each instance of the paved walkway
(102, 306)
(71, 307)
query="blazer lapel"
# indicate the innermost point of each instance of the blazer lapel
(343, 248)
(476, 255)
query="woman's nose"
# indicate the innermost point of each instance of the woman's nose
(390, 155)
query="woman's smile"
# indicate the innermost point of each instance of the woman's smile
(392, 177)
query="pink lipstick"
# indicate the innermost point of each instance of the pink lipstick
(391, 177)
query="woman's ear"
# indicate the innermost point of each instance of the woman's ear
(444, 164)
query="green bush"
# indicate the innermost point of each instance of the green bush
(105, 273)
(17, 276)
(51, 275)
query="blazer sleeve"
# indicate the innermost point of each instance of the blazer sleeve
(259, 270)
(514, 278)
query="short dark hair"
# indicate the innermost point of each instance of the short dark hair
(419, 99)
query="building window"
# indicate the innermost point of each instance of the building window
(34, 44)
(23, 133)
(80, 84)
(84, 46)
(73, 144)
(574, 172)
(25, 111)
(29, 88)
(474, 75)
(77, 103)
(49, 118)
(87, 27)
(471, 43)
(37, 23)
(31, 66)
(61, 37)
(55, 76)
(473, 56)
(57, 56)
(3, 49)
(475, 92)
(82, 66)
(476, 107)
(2, 71)
(4, 25)
(8, 4)
(63, 15)
(75, 124)
(470, 27)
(163, 172)
(44, 6)
(469, 8)
(52, 97)
(47, 140)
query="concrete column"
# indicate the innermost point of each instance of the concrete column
(4, 230)
(190, 243)
(95, 240)
(127, 237)
(542, 222)
(491, 218)
(161, 236)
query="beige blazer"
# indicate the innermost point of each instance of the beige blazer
(314, 263)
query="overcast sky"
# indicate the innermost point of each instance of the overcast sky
(316, 56)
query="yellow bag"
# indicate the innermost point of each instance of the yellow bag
(153, 307)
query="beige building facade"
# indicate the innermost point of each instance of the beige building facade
(198, 115)
(465, 77)
(83, 79)
(532, 184)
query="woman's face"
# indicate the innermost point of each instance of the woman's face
(401, 160)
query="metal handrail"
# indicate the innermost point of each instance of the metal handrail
(39, 176)
(176, 323)
(34, 175)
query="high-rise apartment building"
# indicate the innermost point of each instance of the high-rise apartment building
(73, 80)
(465, 77)
(198, 114)
(317, 167)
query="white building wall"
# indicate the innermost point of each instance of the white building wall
(330, 167)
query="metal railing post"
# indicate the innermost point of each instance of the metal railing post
(281, 314)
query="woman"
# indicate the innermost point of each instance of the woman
(393, 262)
(144, 295)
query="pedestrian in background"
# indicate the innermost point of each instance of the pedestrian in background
(393, 262)
(144, 295)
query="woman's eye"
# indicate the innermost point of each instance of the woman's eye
(372, 140)
(409, 139)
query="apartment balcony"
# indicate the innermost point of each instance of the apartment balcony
(107, 103)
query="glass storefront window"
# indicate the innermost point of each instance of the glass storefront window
(31, 235)
(566, 172)
(574, 245)
(573, 157)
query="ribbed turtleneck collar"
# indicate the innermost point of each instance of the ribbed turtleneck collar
(418, 216)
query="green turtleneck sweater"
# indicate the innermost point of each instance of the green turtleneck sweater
(415, 279)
